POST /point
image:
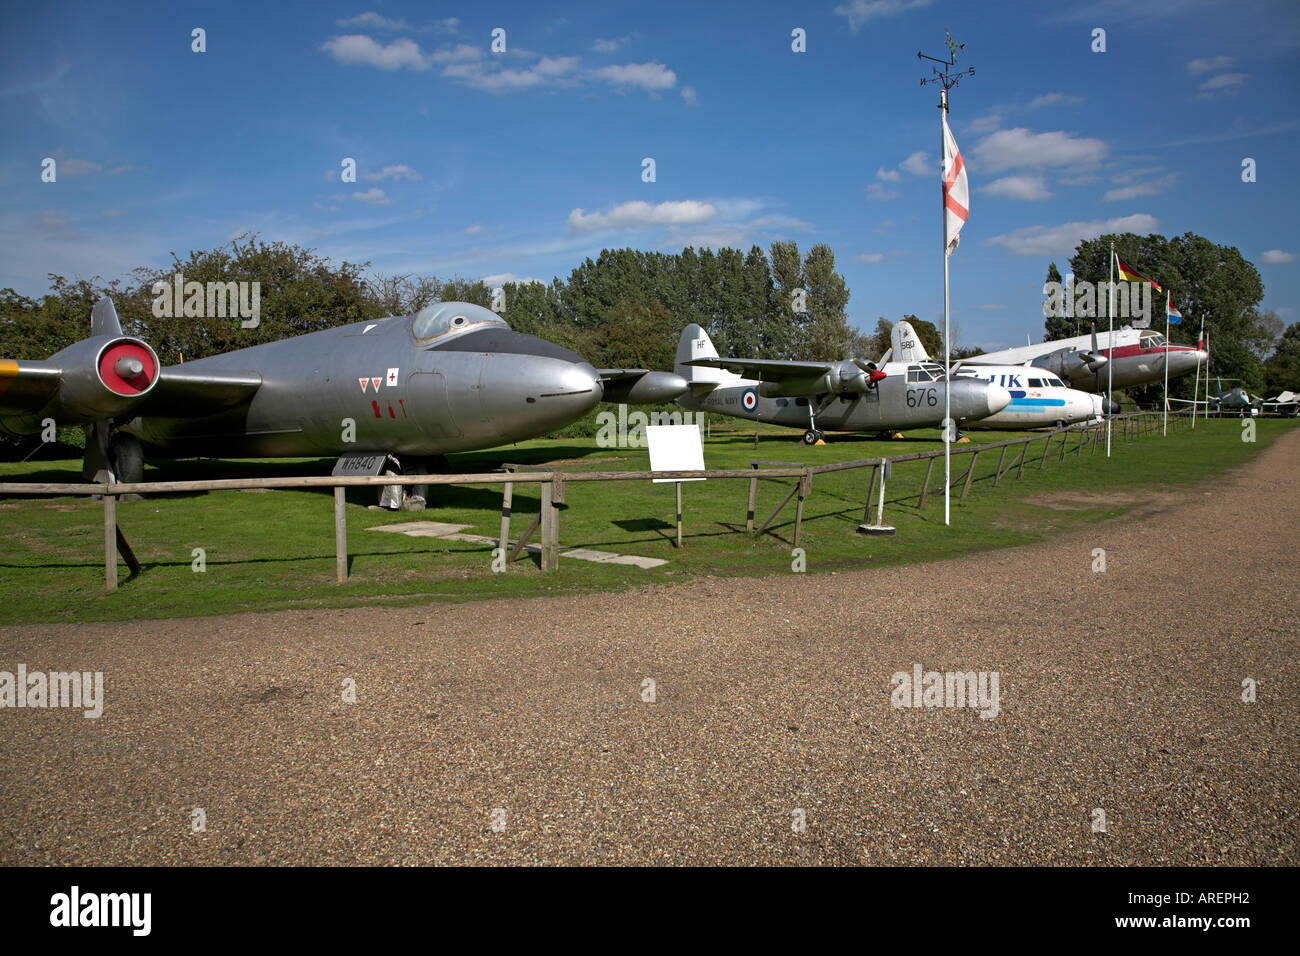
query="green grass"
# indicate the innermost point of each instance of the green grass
(273, 550)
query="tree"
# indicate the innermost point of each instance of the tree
(1203, 278)
(1061, 326)
(827, 331)
(1282, 370)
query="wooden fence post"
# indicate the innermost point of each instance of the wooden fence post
(110, 541)
(340, 534)
(550, 531)
(925, 485)
(970, 474)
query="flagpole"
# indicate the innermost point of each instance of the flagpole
(1110, 345)
(947, 364)
(1207, 375)
(1196, 389)
(946, 80)
(1164, 432)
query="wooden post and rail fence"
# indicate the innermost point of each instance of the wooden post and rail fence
(553, 482)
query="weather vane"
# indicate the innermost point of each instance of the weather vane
(946, 77)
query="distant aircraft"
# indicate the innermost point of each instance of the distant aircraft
(453, 377)
(847, 395)
(1237, 399)
(1038, 398)
(1137, 357)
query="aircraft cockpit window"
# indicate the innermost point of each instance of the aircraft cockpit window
(1035, 383)
(915, 373)
(439, 318)
(1153, 340)
(1055, 382)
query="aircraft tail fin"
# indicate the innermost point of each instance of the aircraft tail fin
(103, 318)
(906, 345)
(696, 344)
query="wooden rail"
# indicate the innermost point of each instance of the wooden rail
(553, 483)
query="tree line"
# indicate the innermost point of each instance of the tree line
(1204, 279)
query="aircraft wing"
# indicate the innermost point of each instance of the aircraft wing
(767, 370)
(193, 393)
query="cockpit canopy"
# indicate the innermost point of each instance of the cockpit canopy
(925, 372)
(440, 318)
(1152, 340)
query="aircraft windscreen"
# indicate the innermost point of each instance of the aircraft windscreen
(1153, 340)
(439, 318)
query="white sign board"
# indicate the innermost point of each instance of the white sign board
(675, 448)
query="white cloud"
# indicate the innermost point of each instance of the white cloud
(76, 167)
(1027, 187)
(1009, 148)
(690, 96)
(648, 76)
(1149, 188)
(370, 20)
(1062, 239)
(641, 215)
(56, 225)
(504, 278)
(476, 228)
(376, 197)
(889, 175)
(1222, 84)
(357, 49)
(872, 257)
(920, 163)
(1208, 64)
(861, 12)
(1053, 99)
(1274, 257)
(992, 307)
(392, 172)
(877, 191)
(985, 124)
(611, 45)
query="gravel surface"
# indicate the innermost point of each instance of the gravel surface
(1119, 691)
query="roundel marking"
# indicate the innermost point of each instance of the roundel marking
(749, 401)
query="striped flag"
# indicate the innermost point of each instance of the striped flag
(956, 191)
(1128, 274)
(1172, 315)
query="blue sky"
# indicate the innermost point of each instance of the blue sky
(491, 165)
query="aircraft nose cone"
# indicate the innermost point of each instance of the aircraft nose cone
(569, 391)
(1202, 356)
(998, 398)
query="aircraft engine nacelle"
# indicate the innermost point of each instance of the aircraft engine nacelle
(843, 378)
(103, 377)
(1071, 363)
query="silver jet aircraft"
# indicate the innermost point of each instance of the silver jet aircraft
(453, 377)
(1136, 357)
(850, 395)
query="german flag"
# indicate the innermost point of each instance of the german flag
(1129, 274)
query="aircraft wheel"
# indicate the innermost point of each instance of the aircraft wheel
(1060, 423)
(810, 437)
(126, 457)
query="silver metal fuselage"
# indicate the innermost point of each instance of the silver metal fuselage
(376, 383)
(893, 404)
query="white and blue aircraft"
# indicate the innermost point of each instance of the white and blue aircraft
(1038, 398)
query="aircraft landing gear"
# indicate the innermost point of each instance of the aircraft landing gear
(812, 436)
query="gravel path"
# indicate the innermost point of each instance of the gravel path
(1118, 691)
